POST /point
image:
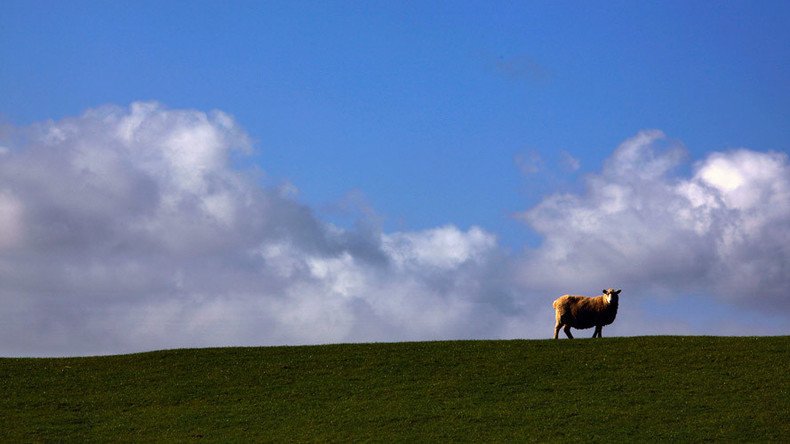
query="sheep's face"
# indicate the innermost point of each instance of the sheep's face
(611, 295)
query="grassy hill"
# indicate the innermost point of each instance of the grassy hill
(623, 389)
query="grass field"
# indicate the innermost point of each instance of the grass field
(615, 389)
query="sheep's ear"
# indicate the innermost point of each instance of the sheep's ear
(603, 291)
(618, 291)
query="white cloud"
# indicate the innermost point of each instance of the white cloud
(127, 229)
(11, 220)
(445, 248)
(641, 225)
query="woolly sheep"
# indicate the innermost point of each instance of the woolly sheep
(585, 312)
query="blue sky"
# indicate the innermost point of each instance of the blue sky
(417, 115)
(420, 106)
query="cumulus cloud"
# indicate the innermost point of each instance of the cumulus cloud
(128, 228)
(643, 223)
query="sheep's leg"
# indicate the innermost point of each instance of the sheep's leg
(597, 333)
(567, 331)
(557, 330)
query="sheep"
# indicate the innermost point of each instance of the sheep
(585, 312)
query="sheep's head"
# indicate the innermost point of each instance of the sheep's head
(611, 295)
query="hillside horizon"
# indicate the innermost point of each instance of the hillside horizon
(653, 388)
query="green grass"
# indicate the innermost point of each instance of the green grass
(615, 389)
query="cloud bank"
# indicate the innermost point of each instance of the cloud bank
(129, 229)
(723, 229)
